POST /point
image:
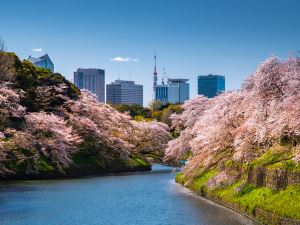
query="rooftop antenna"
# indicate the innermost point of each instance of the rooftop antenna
(154, 76)
(154, 82)
(164, 76)
(119, 73)
(130, 74)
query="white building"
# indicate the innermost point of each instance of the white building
(124, 92)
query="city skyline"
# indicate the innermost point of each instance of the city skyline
(122, 36)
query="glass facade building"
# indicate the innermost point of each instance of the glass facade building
(42, 62)
(211, 85)
(124, 92)
(92, 80)
(175, 91)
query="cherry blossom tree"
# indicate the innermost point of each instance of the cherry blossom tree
(150, 138)
(236, 123)
(54, 138)
(10, 102)
(3, 169)
(184, 124)
(113, 130)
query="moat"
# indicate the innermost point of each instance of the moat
(127, 199)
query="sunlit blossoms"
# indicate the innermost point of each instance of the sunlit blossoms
(235, 124)
(222, 179)
(150, 137)
(110, 127)
(10, 102)
(114, 130)
(56, 140)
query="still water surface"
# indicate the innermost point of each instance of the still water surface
(131, 199)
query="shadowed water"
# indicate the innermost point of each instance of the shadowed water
(128, 199)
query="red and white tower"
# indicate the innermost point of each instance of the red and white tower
(154, 77)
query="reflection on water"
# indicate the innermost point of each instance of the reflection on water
(127, 199)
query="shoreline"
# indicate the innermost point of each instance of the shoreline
(75, 173)
(220, 203)
(260, 216)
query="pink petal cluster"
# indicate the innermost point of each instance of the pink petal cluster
(222, 179)
(9, 102)
(236, 123)
(113, 129)
(56, 136)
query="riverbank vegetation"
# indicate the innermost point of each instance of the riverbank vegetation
(156, 111)
(49, 128)
(243, 147)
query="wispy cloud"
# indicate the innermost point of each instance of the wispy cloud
(124, 59)
(37, 49)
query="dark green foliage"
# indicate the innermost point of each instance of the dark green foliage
(45, 164)
(26, 77)
(29, 77)
(9, 63)
(158, 111)
(134, 110)
(16, 163)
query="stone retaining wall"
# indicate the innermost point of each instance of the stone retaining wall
(273, 219)
(275, 179)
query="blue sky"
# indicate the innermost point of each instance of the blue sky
(191, 37)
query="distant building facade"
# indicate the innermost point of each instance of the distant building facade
(92, 80)
(42, 62)
(175, 91)
(124, 92)
(211, 85)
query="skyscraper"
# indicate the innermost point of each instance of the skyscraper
(92, 80)
(124, 92)
(42, 62)
(211, 85)
(175, 91)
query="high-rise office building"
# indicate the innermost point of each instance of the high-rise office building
(124, 92)
(211, 85)
(175, 91)
(92, 80)
(42, 62)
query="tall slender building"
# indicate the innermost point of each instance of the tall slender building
(92, 80)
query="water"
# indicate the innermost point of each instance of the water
(131, 199)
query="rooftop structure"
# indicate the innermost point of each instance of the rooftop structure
(42, 62)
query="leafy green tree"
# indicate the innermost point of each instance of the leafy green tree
(167, 112)
(133, 110)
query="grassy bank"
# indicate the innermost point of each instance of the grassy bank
(248, 197)
(269, 183)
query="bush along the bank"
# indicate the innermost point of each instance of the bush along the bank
(243, 147)
(49, 128)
